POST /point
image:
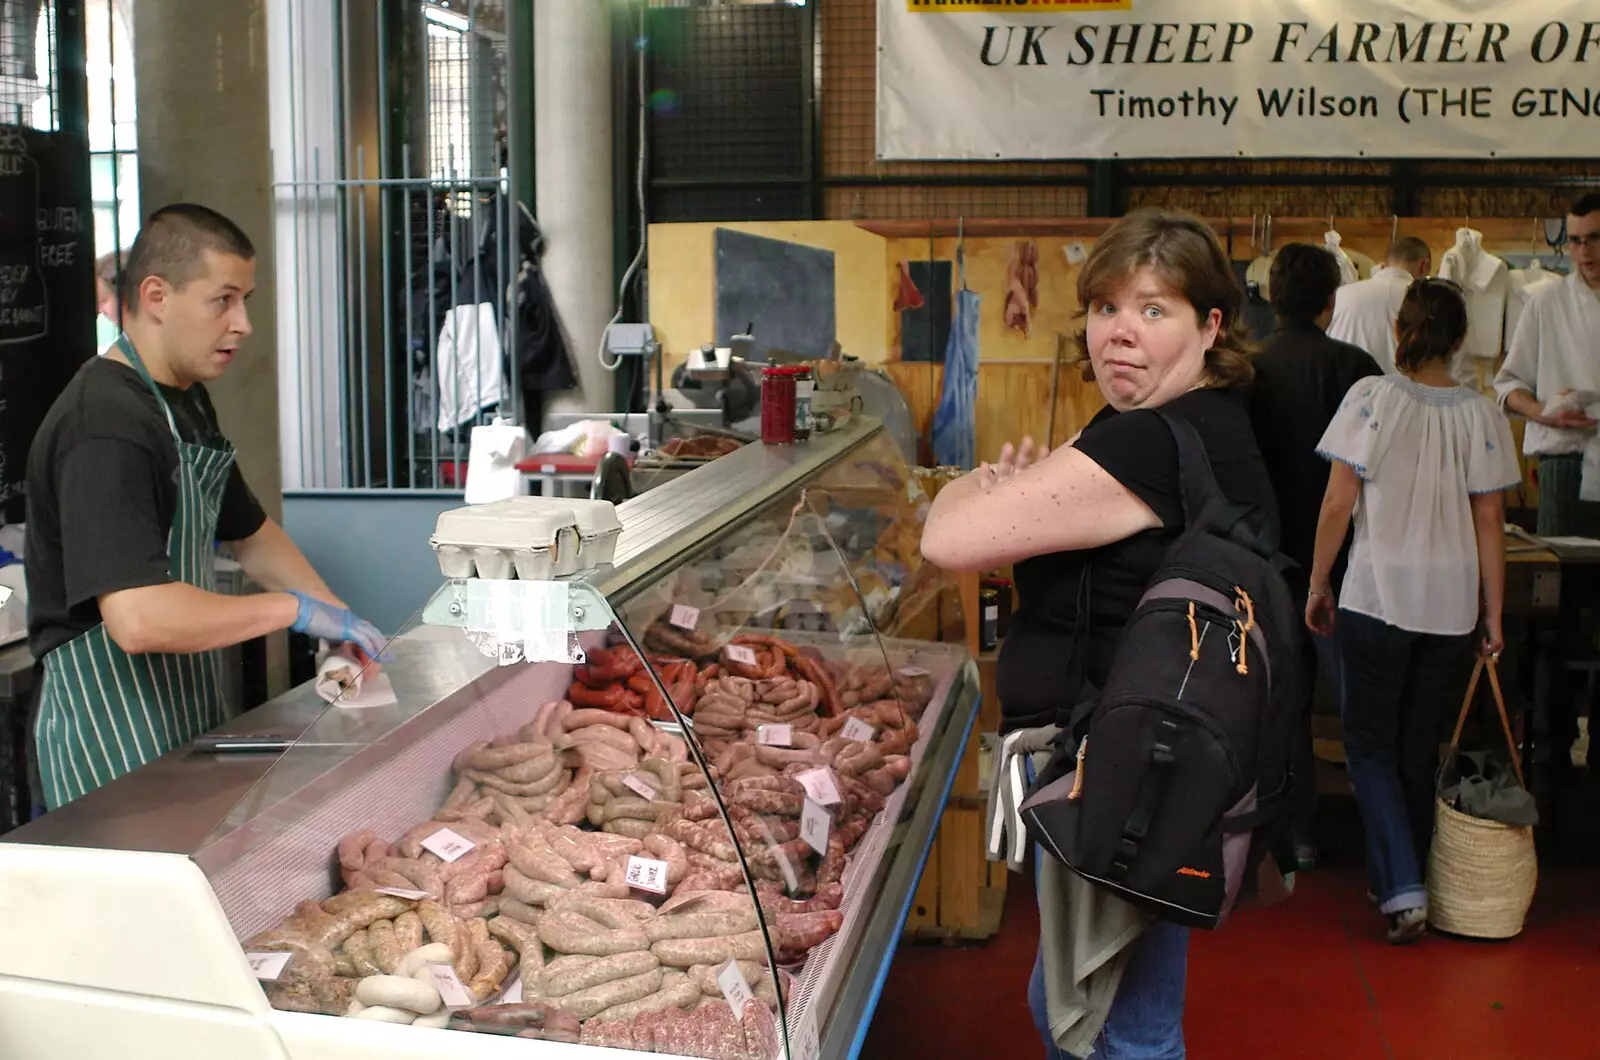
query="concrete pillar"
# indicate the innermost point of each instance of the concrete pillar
(201, 84)
(573, 174)
(201, 77)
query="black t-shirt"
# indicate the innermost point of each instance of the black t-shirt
(102, 490)
(1301, 377)
(1136, 448)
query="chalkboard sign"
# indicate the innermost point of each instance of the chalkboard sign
(784, 290)
(47, 298)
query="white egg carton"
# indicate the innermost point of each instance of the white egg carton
(537, 538)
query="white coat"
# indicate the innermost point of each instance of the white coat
(1524, 282)
(1556, 347)
(1364, 313)
(1484, 285)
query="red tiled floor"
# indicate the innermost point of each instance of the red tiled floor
(1311, 979)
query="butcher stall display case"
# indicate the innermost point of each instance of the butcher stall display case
(674, 804)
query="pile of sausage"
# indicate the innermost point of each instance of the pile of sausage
(532, 908)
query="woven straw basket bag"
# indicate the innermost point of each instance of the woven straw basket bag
(1481, 874)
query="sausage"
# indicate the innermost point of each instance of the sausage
(579, 719)
(385, 1014)
(595, 999)
(532, 855)
(525, 940)
(524, 888)
(680, 993)
(601, 756)
(433, 953)
(568, 932)
(519, 910)
(398, 992)
(685, 953)
(568, 975)
(408, 931)
(490, 759)
(798, 932)
(358, 947)
(385, 946)
(669, 850)
(620, 913)
(611, 697)
(437, 1020)
(494, 963)
(620, 739)
(702, 925)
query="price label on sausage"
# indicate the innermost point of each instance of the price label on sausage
(814, 825)
(647, 874)
(775, 735)
(806, 1045)
(268, 966)
(912, 671)
(447, 844)
(450, 987)
(684, 617)
(820, 786)
(512, 995)
(742, 654)
(639, 787)
(401, 892)
(735, 990)
(858, 730)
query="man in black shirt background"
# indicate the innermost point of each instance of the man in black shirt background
(1302, 375)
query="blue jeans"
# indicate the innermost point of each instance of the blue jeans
(1146, 1020)
(1393, 713)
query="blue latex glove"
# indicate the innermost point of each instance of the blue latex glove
(324, 621)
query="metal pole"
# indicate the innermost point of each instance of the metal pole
(410, 355)
(386, 237)
(366, 353)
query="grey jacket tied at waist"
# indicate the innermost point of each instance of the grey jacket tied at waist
(1085, 933)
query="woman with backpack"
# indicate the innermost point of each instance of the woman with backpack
(1163, 330)
(1421, 462)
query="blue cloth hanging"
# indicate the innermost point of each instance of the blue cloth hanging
(955, 429)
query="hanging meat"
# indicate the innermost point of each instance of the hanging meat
(1022, 286)
(906, 294)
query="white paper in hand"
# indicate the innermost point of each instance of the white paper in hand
(735, 990)
(447, 844)
(1571, 401)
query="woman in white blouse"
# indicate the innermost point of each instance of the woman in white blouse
(1421, 462)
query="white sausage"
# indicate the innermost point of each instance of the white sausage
(355, 1008)
(384, 1014)
(397, 991)
(433, 953)
(440, 1019)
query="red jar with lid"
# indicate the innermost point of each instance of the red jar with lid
(777, 403)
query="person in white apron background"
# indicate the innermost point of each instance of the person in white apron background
(130, 485)
(1556, 349)
(1364, 312)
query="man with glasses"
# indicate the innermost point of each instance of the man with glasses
(1555, 351)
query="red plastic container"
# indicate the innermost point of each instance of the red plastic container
(777, 404)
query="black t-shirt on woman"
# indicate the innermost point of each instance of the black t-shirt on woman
(1136, 449)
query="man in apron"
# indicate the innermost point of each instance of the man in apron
(130, 485)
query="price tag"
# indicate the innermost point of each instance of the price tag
(819, 786)
(513, 993)
(444, 979)
(647, 874)
(684, 617)
(806, 1045)
(741, 653)
(5, 595)
(268, 966)
(401, 892)
(912, 671)
(735, 990)
(775, 735)
(447, 844)
(814, 825)
(639, 787)
(856, 729)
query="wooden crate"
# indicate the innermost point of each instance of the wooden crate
(960, 897)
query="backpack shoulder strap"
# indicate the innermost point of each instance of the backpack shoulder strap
(1204, 504)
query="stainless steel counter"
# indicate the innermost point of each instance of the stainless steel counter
(173, 804)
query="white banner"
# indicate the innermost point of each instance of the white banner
(1080, 79)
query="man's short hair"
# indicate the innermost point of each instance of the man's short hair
(1304, 277)
(1587, 204)
(108, 267)
(1409, 250)
(172, 245)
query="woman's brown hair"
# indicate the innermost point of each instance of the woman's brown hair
(1432, 324)
(1188, 258)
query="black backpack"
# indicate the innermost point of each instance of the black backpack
(1176, 790)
